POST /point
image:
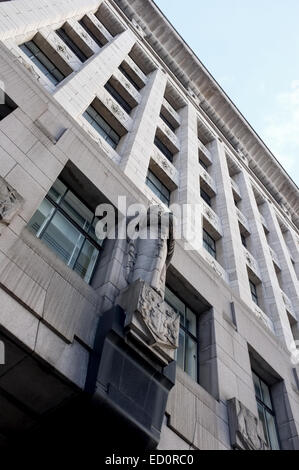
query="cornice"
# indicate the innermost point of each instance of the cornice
(189, 70)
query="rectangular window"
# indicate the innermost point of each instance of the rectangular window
(206, 197)
(70, 43)
(7, 107)
(121, 101)
(91, 34)
(253, 291)
(164, 119)
(129, 78)
(102, 126)
(163, 149)
(266, 411)
(243, 239)
(203, 164)
(158, 188)
(209, 243)
(187, 353)
(42, 62)
(67, 226)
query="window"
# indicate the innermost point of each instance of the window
(6, 107)
(243, 239)
(164, 119)
(158, 188)
(203, 164)
(164, 149)
(253, 291)
(93, 36)
(70, 43)
(42, 62)
(265, 411)
(121, 101)
(129, 78)
(187, 353)
(206, 197)
(67, 226)
(209, 243)
(102, 126)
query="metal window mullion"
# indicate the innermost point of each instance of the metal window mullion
(46, 223)
(74, 223)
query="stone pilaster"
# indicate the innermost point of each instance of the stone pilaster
(230, 250)
(189, 190)
(272, 301)
(78, 91)
(138, 144)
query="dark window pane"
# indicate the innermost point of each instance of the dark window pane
(102, 126)
(164, 119)
(70, 43)
(166, 152)
(129, 78)
(121, 101)
(42, 62)
(158, 188)
(91, 34)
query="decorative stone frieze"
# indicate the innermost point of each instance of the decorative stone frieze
(244, 427)
(10, 202)
(150, 320)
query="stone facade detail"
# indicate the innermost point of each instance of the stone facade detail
(150, 320)
(10, 202)
(245, 429)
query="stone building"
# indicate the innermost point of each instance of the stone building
(102, 99)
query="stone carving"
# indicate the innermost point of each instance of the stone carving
(29, 67)
(245, 429)
(153, 249)
(10, 202)
(150, 320)
(160, 319)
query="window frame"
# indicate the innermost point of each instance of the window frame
(165, 150)
(107, 136)
(206, 197)
(165, 120)
(91, 34)
(186, 332)
(205, 244)
(254, 294)
(129, 78)
(60, 210)
(164, 198)
(117, 96)
(271, 411)
(49, 75)
(68, 41)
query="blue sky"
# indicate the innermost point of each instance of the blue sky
(251, 47)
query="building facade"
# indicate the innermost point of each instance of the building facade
(101, 100)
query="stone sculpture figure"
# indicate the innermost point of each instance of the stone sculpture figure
(148, 318)
(150, 254)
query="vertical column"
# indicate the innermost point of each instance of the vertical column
(292, 241)
(271, 290)
(79, 90)
(290, 281)
(138, 144)
(188, 193)
(231, 249)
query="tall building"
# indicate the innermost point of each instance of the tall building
(102, 100)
